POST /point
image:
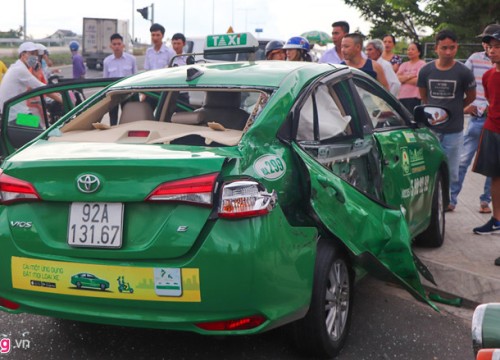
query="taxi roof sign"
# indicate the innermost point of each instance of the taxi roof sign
(230, 43)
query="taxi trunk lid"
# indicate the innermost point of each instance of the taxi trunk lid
(127, 176)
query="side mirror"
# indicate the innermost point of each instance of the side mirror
(431, 115)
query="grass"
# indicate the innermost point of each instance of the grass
(57, 58)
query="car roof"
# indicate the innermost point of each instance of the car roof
(254, 74)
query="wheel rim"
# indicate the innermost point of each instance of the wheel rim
(337, 299)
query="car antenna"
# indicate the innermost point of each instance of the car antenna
(193, 73)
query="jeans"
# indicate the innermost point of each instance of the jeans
(471, 141)
(452, 145)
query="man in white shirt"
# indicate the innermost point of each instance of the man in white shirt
(19, 79)
(157, 56)
(374, 49)
(118, 64)
(334, 55)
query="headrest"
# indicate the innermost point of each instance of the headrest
(135, 110)
(188, 118)
(226, 99)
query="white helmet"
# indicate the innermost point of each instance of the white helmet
(42, 49)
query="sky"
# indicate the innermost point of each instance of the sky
(277, 18)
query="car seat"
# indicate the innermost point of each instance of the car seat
(223, 107)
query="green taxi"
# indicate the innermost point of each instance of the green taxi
(234, 198)
(86, 280)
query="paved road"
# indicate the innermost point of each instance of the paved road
(387, 324)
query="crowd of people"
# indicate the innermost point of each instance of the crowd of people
(470, 89)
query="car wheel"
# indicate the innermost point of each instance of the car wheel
(78, 285)
(433, 236)
(103, 287)
(323, 331)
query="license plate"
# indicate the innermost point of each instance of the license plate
(96, 225)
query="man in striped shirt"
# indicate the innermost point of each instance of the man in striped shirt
(478, 63)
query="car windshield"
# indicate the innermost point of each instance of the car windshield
(212, 117)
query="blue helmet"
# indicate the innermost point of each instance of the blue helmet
(297, 42)
(74, 45)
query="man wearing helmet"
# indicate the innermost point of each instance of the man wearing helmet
(78, 65)
(274, 50)
(18, 78)
(297, 49)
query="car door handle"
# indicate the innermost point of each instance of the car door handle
(325, 182)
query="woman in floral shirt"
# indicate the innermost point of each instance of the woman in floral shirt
(389, 44)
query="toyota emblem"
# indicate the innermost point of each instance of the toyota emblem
(88, 183)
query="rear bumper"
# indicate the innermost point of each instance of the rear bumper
(259, 266)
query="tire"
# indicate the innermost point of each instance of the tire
(433, 236)
(323, 331)
(78, 285)
(103, 287)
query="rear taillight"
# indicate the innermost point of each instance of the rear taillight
(195, 190)
(246, 323)
(241, 199)
(8, 304)
(13, 190)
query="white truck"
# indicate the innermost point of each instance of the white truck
(96, 39)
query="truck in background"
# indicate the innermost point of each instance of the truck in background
(96, 34)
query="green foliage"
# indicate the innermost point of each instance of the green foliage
(402, 18)
(57, 58)
(407, 18)
(61, 58)
(466, 17)
(12, 33)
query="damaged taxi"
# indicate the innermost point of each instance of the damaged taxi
(257, 207)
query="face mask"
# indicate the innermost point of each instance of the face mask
(32, 60)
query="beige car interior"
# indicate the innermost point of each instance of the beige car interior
(220, 119)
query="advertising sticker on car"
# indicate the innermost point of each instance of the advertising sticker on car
(270, 167)
(106, 281)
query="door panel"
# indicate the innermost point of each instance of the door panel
(378, 236)
(27, 115)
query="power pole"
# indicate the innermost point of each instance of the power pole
(24, 29)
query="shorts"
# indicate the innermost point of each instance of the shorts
(488, 154)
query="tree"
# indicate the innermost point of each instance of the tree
(410, 18)
(467, 18)
(402, 18)
(12, 33)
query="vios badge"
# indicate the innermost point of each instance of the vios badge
(88, 183)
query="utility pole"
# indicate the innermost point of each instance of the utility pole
(184, 16)
(133, 22)
(24, 29)
(213, 16)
